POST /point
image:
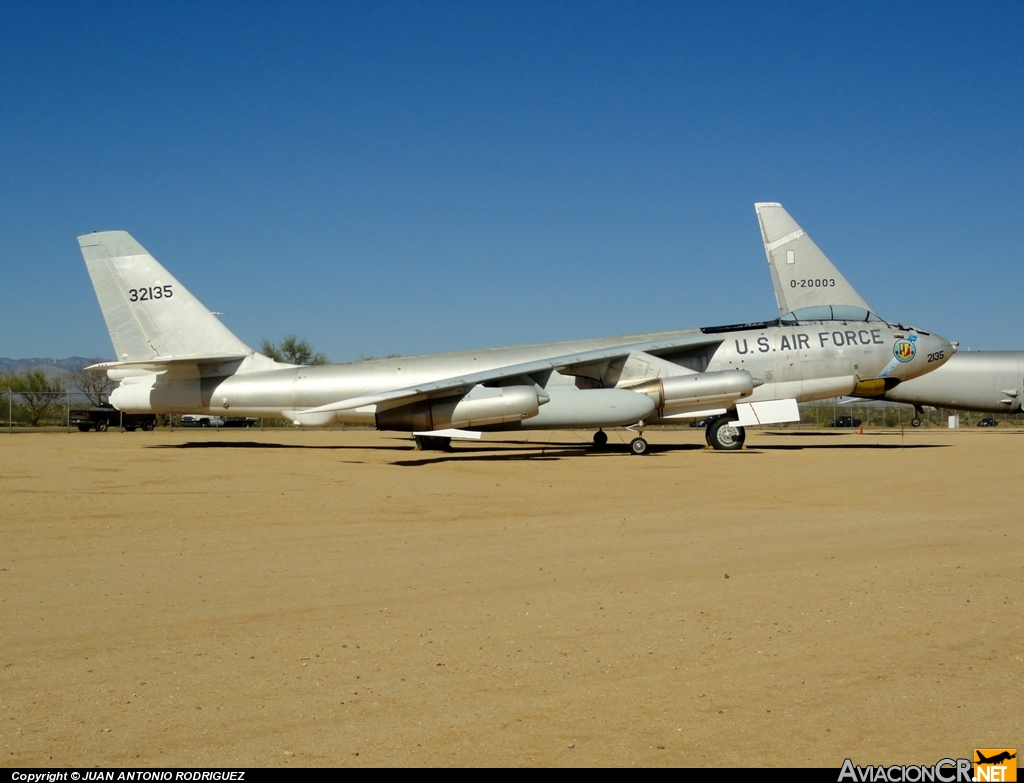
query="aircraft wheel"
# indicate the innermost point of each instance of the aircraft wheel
(101, 426)
(600, 438)
(83, 427)
(638, 446)
(915, 422)
(723, 436)
(129, 429)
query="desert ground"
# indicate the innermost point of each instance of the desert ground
(247, 598)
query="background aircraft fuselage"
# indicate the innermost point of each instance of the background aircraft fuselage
(984, 381)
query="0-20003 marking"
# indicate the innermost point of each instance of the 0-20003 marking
(146, 294)
(825, 282)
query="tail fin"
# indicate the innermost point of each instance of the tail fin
(802, 275)
(150, 315)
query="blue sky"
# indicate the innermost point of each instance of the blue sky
(416, 177)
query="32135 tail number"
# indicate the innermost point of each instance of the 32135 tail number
(147, 294)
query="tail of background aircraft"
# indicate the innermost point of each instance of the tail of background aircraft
(152, 318)
(802, 275)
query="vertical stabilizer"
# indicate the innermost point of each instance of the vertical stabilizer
(802, 275)
(148, 312)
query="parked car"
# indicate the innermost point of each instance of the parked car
(845, 421)
(201, 420)
(207, 420)
(103, 417)
(988, 423)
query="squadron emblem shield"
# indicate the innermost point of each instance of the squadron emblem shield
(904, 350)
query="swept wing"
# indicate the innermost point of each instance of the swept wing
(565, 364)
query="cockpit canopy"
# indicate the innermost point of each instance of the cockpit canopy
(829, 313)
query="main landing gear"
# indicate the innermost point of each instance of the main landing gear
(916, 421)
(722, 435)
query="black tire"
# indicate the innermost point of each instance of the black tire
(84, 428)
(147, 426)
(638, 446)
(915, 422)
(723, 436)
(101, 426)
(204, 423)
(600, 438)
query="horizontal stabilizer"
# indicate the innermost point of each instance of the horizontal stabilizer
(163, 362)
(802, 275)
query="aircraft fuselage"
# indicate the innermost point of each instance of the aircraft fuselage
(805, 361)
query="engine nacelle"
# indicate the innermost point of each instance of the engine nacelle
(704, 389)
(482, 406)
(153, 394)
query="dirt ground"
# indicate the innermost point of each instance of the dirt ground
(336, 598)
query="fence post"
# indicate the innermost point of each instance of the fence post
(10, 411)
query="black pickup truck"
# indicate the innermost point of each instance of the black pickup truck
(103, 417)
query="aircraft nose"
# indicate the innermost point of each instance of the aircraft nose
(941, 349)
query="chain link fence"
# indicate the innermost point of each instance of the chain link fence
(54, 411)
(835, 413)
(40, 410)
(49, 411)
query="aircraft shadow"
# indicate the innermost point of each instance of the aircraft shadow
(511, 451)
(865, 446)
(549, 451)
(248, 444)
(807, 434)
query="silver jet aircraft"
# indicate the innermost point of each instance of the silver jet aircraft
(175, 356)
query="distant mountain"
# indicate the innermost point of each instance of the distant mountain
(48, 366)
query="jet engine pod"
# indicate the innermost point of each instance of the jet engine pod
(481, 406)
(147, 394)
(699, 389)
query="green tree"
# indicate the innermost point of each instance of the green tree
(292, 350)
(38, 393)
